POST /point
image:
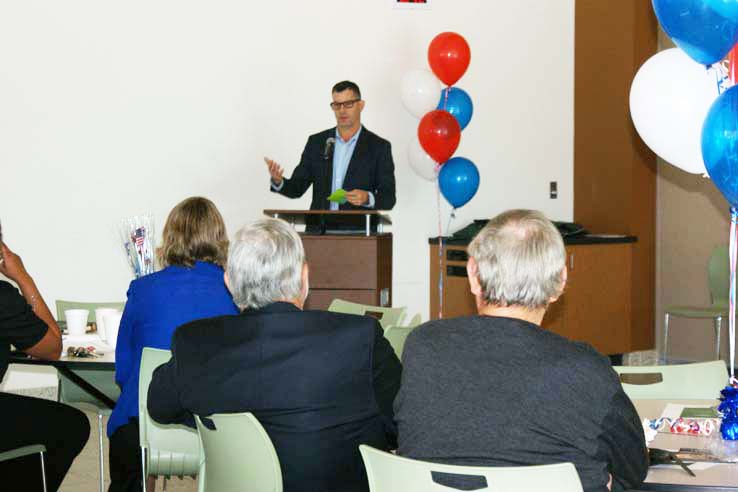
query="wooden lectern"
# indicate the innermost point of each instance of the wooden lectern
(355, 266)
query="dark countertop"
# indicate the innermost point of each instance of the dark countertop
(573, 240)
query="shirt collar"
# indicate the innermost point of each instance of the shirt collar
(350, 140)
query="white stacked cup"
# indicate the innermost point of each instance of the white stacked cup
(76, 321)
(100, 320)
(112, 323)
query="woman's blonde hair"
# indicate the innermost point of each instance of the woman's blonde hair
(194, 231)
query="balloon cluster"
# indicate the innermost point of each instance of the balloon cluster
(442, 119)
(675, 100)
(685, 112)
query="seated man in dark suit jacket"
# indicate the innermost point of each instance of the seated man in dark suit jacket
(498, 390)
(347, 156)
(320, 383)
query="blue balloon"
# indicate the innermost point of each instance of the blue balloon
(459, 104)
(720, 144)
(705, 29)
(459, 181)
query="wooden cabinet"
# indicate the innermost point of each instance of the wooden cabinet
(596, 304)
(595, 307)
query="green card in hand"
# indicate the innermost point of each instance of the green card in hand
(338, 196)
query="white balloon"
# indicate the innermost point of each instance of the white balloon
(423, 164)
(669, 99)
(421, 92)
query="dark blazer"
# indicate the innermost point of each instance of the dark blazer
(320, 383)
(371, 169)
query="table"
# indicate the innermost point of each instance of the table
(73, 367)
(717, 477)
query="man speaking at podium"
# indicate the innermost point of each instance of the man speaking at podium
(348, 157)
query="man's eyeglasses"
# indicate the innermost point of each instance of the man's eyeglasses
(335, 106)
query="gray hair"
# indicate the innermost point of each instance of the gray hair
(265, 262)
(520, 256)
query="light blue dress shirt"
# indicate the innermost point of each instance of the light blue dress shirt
(342, 152)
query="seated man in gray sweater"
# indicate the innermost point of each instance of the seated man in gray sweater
(497, 390)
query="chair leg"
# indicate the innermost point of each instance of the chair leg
(43, 471)
(143, 468)
(102, 453)
(666, 337)
(718, 326)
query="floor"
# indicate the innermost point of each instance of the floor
(83, 476)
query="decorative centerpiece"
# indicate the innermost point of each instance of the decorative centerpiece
(137, 236)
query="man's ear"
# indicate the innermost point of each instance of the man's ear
(472, 271)
(227, 282)
(305, 278)
(562, 285)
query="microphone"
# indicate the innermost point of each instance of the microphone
(328, 149)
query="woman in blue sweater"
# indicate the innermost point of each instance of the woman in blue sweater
(190, 286)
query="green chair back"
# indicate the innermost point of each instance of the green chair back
(699, 381)
(239, 455)
(386, 316)
(39, 449)
(104, 380)
(718, 275)
(391, 473)
(396, 336)
(62, 306)
(170, 450)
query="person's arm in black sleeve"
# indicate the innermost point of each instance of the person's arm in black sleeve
(164, 402)
(27, 322)
(623, 444)
(386, 373)
(302, 176)
(384, 195)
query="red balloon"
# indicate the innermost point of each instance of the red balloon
(448, 56)
(439, 134)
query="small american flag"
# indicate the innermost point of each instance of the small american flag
(140, 236)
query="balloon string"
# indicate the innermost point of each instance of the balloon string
(451, 217)
(445, 98)
(440, 252)
(731, 298)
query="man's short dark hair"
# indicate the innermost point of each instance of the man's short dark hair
(347, 84)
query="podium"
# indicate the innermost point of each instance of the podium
(354, 264)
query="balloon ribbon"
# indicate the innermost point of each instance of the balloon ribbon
(733, 247)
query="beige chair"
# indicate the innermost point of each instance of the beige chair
(386, 316)
(699, 381)
(71, 394)
(238, 454)
(166, 450)
(390, 473)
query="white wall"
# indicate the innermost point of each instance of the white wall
(109, 109)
